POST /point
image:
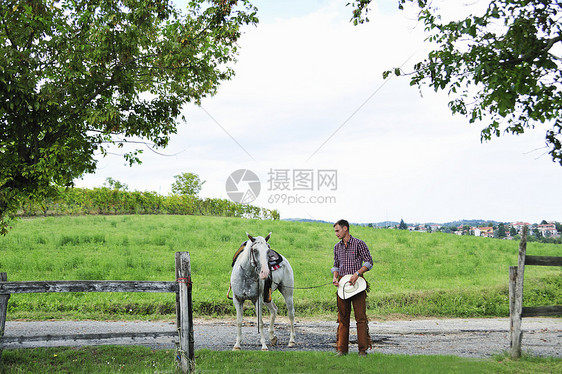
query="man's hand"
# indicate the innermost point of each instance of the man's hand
(335, 281)
(353, 279)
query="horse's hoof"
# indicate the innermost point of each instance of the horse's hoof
(291, 344)
(273, 341)
(236, 348)
(265, 349)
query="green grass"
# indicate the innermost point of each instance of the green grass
(415, 274)
(137, 360)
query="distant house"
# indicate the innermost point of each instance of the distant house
(518, 226)
(548, 230)
(487, 232)
(476, 231)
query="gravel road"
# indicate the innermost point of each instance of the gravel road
(459, 337)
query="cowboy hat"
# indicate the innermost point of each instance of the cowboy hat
(346, 290)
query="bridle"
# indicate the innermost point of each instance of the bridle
(253, 258)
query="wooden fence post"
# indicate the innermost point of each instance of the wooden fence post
(184, 313)
(512, 297)
(516, 313)
(3, 311)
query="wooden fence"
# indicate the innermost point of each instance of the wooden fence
(181, 287)
(516, 309)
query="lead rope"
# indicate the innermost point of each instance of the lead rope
(304, 288)
(258, 312)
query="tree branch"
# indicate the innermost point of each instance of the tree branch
(6, 30)
(532, 55)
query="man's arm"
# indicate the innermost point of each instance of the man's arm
(357, 274)
(336, 269)
(367, 259)
(365, 255)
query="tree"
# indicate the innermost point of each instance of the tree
(512, 231)
(79, 76)
(114, 184)
(445, 229)
(501, 230)
(402, 225)
(499, 67)
(187, 184)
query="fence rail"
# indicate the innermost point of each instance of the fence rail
(543, 260)
(535, 311)
(181, 287)
(516, 309)
(86, 286)
(10, 340)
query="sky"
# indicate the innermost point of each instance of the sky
(309, 126)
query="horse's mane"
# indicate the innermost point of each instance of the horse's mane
(238, 252)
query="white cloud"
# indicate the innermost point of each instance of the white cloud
(299, 78)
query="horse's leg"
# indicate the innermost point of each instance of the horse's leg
(287, 293)
(239, 314)
(273, 311)
(259, 306)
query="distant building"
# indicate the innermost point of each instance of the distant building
(548, 230)
(518, 226)
(487, 232)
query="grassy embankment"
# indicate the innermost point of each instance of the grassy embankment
(415, 274)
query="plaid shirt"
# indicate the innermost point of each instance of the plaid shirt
(351, 259)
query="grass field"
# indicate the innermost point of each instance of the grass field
(415, 274)
(138, 360)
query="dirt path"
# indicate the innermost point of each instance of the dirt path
(459, 337)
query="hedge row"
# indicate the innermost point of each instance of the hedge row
(103, 200)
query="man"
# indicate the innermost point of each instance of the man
(351, 256)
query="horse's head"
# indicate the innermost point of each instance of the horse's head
(258, 253)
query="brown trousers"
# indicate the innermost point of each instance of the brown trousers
(344, 315)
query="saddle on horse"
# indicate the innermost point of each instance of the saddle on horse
(274, 260)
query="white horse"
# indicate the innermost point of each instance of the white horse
(247, 280)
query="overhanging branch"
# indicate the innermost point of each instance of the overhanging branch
(534, 54)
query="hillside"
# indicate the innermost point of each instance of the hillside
(414, 274)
